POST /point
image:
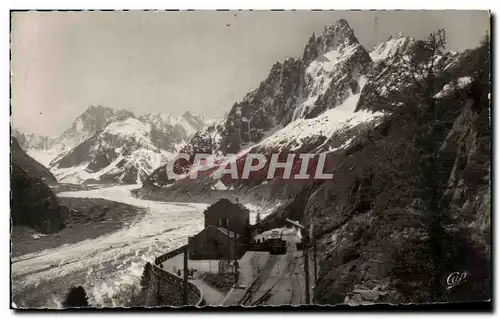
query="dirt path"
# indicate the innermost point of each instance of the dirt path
(212, 296)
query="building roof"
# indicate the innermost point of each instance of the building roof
(225, 203)
(225, 232)
(222, 230)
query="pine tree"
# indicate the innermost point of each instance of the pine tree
(418, 174)
(425, 263)
(146, 276)
(76, 298)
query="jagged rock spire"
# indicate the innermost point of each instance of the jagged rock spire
(333, 36)
(311, 50)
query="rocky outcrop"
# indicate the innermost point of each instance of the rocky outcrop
(33, 203)
(468, 188)
(362, 295)
(78, 155)
(29, 165)
(205, 141)
(195, 121)
(349, 61)
(271, 104)
(19, 136)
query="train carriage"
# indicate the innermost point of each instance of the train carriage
(277, 246)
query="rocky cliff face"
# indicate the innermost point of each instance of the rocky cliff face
(265, 108)
(19, 136)
(32, 201)
(327, 74)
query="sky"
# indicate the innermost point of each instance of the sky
(172, 62)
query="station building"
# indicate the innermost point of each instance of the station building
(225, 235)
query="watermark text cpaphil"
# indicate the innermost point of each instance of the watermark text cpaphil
(296, 166)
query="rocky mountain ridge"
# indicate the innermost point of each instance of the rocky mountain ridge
(101, 136)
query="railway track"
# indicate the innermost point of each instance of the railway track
(295, 299)
(259, 280)
(292, 264)
(289, 273)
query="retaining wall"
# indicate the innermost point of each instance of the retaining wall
(167, 289)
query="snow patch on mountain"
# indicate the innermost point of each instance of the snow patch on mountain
(219, 186)
(122, 152)
(262, 209)
(188, 122)
(391, 47)
(291, 234)
(320, 73)
(447, 89)
(141, 162)
(331, 121)
(131, 129)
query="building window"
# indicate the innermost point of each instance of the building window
(223, 222)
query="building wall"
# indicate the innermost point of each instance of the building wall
(212, 244)
(239, 221)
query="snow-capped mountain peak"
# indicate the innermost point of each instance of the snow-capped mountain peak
(334, 37)
(394, 45)
(327, 73)
(335, 54)
(121, 152)
(127, 148)
(94, 118)
(132, 130)
(188, 122)
(110, 145)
